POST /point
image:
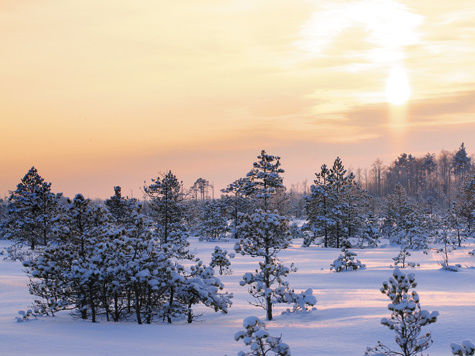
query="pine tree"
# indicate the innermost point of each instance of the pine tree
(403, 221)
(401, 259)
(407, 318)
(464, 205)
(264, 180)
(31, 211)
(335, 208)
(370, 233)
(166, 199)
(201, 286)
(346, 262)
(122, 272)
(461, 163)
(237, 202)
(448, 243)
(319, 207)
(219, 258)
(68, 275)
(265, 234)
(200, 187)
(256, 336)
(120, 208)
(214, 224)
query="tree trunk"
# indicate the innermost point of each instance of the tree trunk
(138, 305)
(93, 305)
(116, 307)
(190, 313)
(170, 304)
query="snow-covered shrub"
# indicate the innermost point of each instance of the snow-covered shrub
(301, 301)
(407, 318)
(346, 261)
(24, 316)
(219, 258)
(259, 340)
(472, 253)
(401, 259)
(465, 349)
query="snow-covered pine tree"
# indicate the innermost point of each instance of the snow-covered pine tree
(407, 318)
(201, 286)
(3, 210)
(31, 212)
(120, 207)
(214, 224)
(69, 275)
(401, 259)
(370, 233)
(264, 180)
(265, 234)
(456, 223)
(335, 207)
(318, 207)
(464, 205)
(120, 272)
(346, 262)
(166, 199)
(461, 163)
(48, 274)
(466, 348)
(237, 201)
(404, 222)
(219, 258)
(261, 343)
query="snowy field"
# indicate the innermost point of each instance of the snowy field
(347, 318)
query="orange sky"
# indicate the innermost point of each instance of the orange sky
(97, 93)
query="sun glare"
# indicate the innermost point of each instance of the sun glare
(398, 90)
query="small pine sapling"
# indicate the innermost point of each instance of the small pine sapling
(346, 261)
(401, 259)
(259, 340)
(406, 318)
(219, 258)
(465, 349)
(448, 244)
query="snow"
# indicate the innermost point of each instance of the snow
(348, 317)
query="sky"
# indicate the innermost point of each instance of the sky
(99, 93)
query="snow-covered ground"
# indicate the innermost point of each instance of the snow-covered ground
(347, 318)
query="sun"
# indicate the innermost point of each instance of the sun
(398, 90)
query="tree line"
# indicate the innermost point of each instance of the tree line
(124, 258)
